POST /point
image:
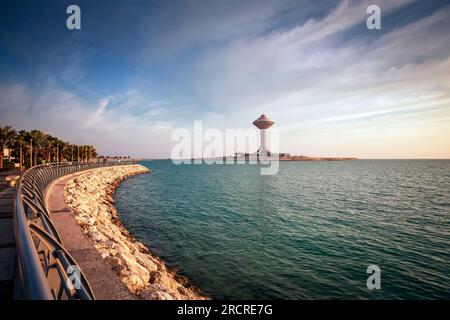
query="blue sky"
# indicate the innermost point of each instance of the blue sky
(137, 70)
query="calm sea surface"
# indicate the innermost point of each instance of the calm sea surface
(309, 232)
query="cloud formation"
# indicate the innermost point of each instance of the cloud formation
(332, 86)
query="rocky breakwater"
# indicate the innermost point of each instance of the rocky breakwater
(91, 198)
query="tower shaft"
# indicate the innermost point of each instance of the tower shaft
(263, 141)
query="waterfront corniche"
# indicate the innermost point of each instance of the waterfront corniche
(91, 198)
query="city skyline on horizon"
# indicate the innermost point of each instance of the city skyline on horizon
(136, 71)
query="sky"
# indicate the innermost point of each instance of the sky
(138, 70)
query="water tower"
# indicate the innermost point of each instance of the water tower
(263, 123)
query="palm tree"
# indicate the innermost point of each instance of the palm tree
(39, 140)
(94, 153)
(29, 148)
(46, 149)
(20, 142)
(6, 140)
(90, 152)
(84, 153)
(65, 150)
(78, 153)
(58, 149)
(70, 152)
(52, 144)
(36, 146)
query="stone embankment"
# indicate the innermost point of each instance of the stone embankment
(91, 198)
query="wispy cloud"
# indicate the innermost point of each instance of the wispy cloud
(97, 115)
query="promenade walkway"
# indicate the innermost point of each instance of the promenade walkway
(105, 283)
(7, 240)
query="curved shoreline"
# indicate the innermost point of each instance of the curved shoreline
(91, 199)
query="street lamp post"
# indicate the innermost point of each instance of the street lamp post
(21, 156)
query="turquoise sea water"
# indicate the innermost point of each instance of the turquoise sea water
(308, 232)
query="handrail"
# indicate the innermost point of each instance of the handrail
(42, 260)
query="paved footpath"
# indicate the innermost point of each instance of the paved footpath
(104, 282)
(7, 240)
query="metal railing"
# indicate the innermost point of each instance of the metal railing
(45, 269)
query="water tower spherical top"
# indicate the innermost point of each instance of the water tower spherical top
(263, 122)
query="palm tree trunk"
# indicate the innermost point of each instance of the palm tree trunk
(20, 157)
(35, 155)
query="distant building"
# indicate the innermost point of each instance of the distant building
(284, 154)
(6, 153)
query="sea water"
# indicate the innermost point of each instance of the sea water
(308, 232)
